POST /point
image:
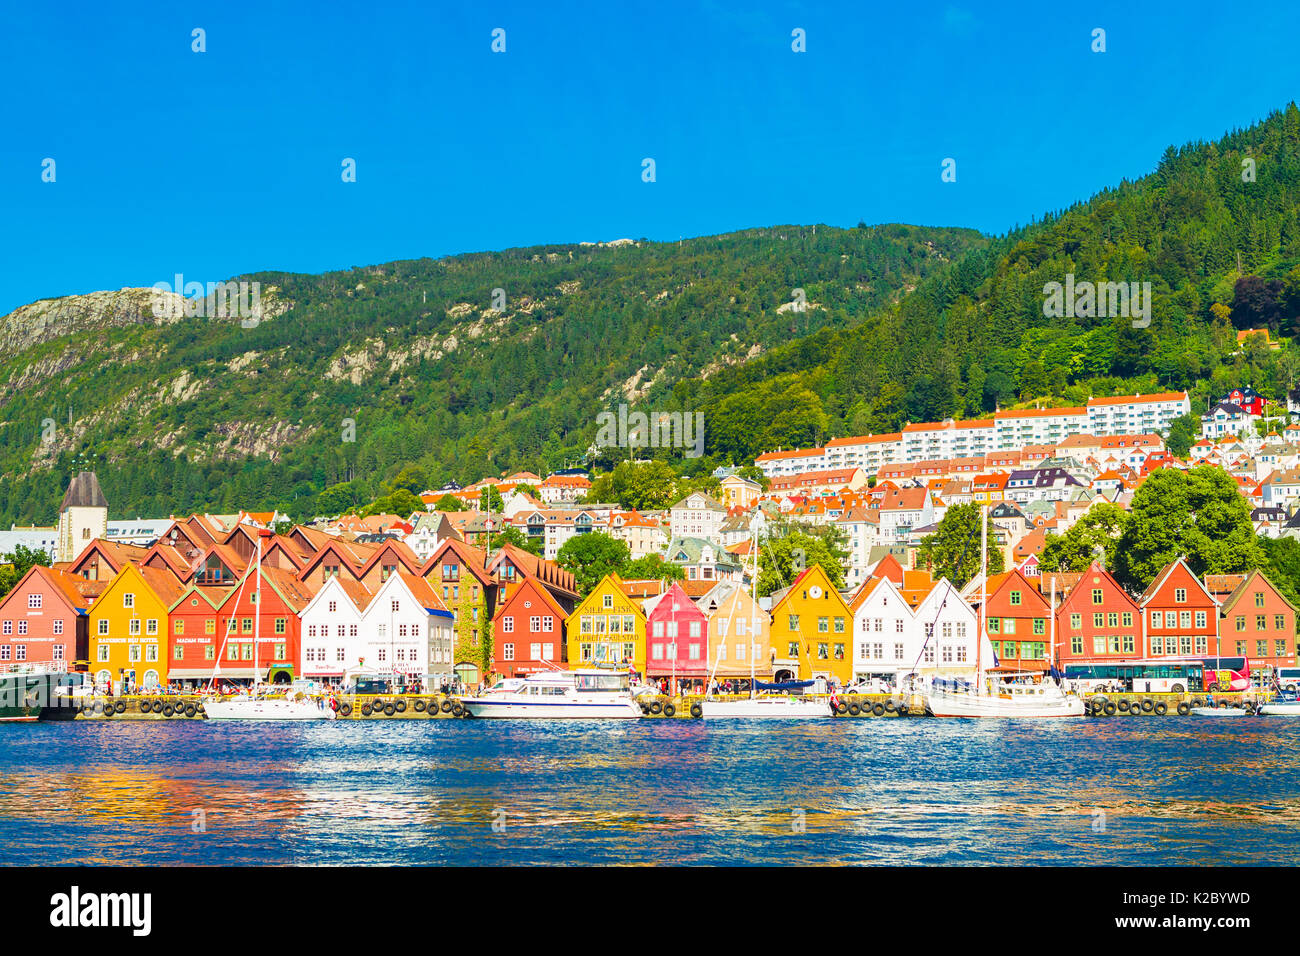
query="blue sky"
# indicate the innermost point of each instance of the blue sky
(229, 161)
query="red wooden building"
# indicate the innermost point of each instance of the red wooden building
(43, 620)
(1180, 616)
(1098, 621)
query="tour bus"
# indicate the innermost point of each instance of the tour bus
(1142, 676)
(1224, 673)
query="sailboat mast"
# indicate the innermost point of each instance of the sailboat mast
(1051, 650)
(257, 615)
(984, 581)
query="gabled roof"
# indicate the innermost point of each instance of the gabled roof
(1231, 602)
(1163, 577)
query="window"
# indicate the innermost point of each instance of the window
(58, 628)
(1259, 599)
(1076, 644)
(58, 651)
(34, 601)
(794, 622)
(1180, 595)
(1096, 596)
(151, 653)
(134, 627)
(508, 652)
(151, 626)
(995, 625)
(792, 649)
(209, 653)
(508, 627)
(1279, 622)
(1098, 619)
(823, 625)
(1015, 599)
(128, 600)
(1076, 622)
(103, 627)
(134, 653)
(1200, 619)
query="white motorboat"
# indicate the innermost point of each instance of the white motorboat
(780, 706)
(268, 708)
(1280, 708)
(558, 695)
(1219, 712)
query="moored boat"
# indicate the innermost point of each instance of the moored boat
(269, 708)
(38, 692)
(1003, 700)
(558, 695)
(1219, 712)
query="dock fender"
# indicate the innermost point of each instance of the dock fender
(445, 707)
(1184, 708)
(1109, 709)
(190, 710)
(1161, 709)
(696, 710)
(657, 707)
(157, 707)
(168, 710)
(903, 710)
(144, 707)
(366, 710)
(400, 705)
(419, 706)
(878, 710)
(345, 710)
(1122, 706)
(854, 709)
(889, 706)
(390, 709)
(841, 708)
(99, 708)
(1148, 705)
(670, 709)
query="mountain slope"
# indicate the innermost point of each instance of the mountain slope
(348, 377)
(974, 336)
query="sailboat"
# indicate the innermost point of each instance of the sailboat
(257, 705)
(776, 705)
(992, 697)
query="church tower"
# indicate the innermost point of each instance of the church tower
(83, 516)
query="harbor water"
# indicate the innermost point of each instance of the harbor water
(1143, 791)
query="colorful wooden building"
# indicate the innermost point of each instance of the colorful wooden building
(1258, 623)
(44, 620)
(1018, 620)
(677, 639)
(1098, 621)
(129, 628)
(1180, 616)
(607, 627)
(812, 629)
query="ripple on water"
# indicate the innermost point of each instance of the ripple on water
(428, 792)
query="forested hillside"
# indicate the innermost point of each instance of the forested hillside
(974, 336)
(353, 377)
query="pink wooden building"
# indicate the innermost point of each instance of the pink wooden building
(677, 638)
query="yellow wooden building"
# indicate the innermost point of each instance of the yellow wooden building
(128, 627)
(608, 626)
(812, 630)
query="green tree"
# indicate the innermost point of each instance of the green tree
(589, 557)
(636, 485)
(448, 502)
(17, 563)
(652, 567)
(1093, 536)
(790, 550)
(953, 551)
(1183, 433)
(512, 535)
(1199, 515)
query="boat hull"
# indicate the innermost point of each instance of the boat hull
(528, 710)
(1218, 712)
(266, 709)
(760, 709)
(27, 697)
(972, 705)
(1290, 708)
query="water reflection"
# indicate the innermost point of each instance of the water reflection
(897, 791)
